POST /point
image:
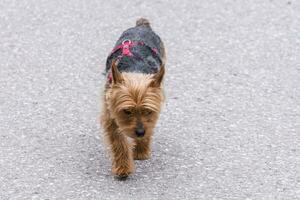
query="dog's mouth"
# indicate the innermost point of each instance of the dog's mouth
(140, 137)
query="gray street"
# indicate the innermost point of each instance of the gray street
(230, 126)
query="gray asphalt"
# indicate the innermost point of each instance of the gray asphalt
(230, 128)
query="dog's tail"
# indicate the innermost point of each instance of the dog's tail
(143, 22)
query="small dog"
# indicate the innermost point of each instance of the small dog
(133, 95)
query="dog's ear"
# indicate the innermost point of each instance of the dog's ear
(158, 77)
(116, 74)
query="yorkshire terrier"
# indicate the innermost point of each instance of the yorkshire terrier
(133, 95)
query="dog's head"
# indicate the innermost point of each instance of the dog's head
(134, 101)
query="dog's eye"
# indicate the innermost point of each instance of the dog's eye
(127, 112)
(147, 112)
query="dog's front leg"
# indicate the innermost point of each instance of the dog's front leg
(122, 161)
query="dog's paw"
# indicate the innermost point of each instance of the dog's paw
(141, 155)
(122, 171)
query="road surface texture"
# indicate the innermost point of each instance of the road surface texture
(230, 127)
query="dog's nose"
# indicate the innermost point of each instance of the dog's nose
(140, 132)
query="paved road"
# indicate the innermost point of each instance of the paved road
(230, 128)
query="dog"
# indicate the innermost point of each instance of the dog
(133, 95)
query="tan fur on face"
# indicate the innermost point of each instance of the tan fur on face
(136, 94)
(135, 91)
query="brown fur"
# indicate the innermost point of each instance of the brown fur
(141, 95)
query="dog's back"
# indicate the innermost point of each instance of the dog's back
(146, 50)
